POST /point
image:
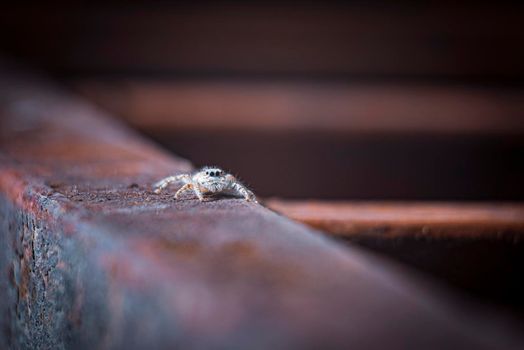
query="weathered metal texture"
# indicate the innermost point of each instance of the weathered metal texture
(384, 220)
(91, 258)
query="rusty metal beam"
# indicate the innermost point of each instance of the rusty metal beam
(91, 258)
(390, 220)
(352, 108)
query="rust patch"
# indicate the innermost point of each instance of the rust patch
(240, 249)
(180, 249)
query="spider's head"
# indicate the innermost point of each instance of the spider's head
(213, 172)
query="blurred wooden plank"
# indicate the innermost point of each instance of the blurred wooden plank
(409, 219)
(94, 259)
(445, 40)
(158, 105)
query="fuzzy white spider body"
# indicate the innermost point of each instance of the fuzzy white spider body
(207, 181)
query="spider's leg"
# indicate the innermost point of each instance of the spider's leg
(241, 190)
(198, 193)
(160, 185)
(182, 189)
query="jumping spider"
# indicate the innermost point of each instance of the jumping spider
(208, 180)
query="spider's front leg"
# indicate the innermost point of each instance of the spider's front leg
(198, 193)
(182, 189)
(160, 185)
(241, 190)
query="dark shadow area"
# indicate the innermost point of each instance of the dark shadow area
(346, 166)
(488, 270)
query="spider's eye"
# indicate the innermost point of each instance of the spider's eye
(212, 173)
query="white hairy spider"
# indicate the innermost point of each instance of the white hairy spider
(208, 180)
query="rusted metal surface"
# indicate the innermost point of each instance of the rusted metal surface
(409, 219)
(91, 258)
